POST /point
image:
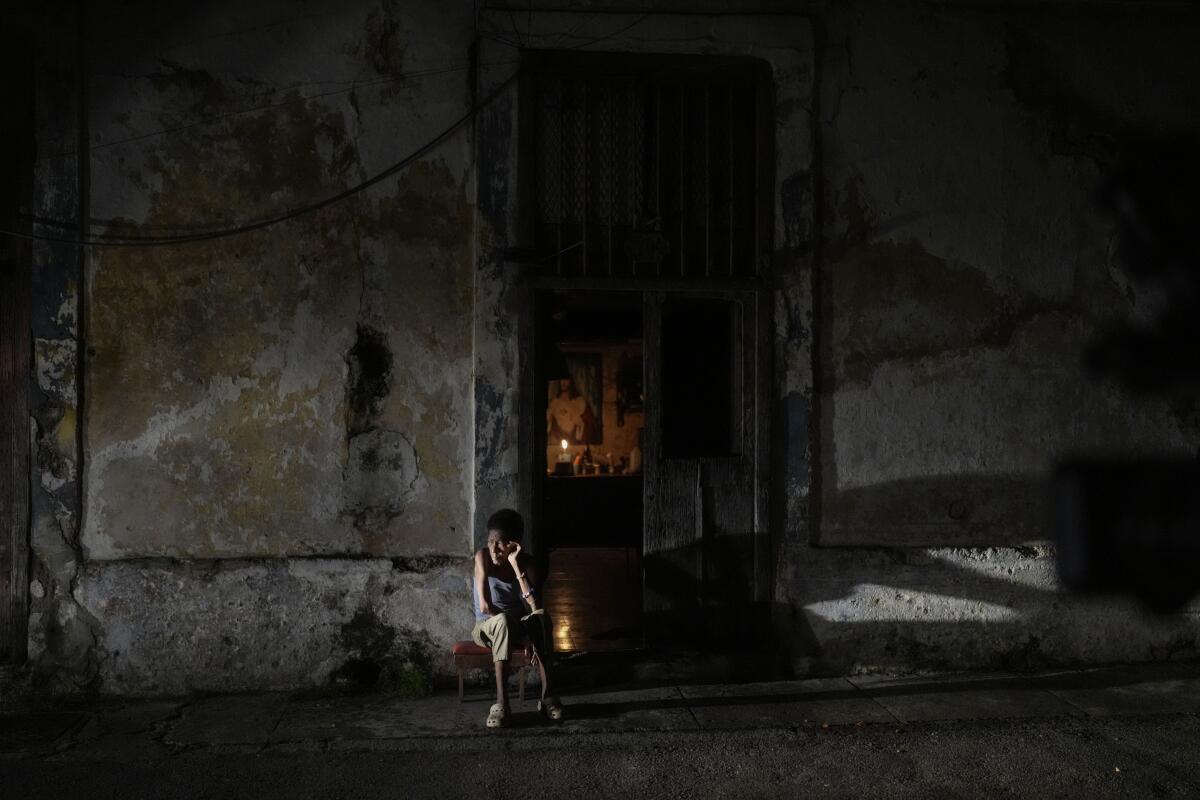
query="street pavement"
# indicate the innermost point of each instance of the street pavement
(1117, 732)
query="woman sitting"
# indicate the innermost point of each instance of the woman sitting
(503, 586)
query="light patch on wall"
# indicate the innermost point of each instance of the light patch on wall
(1035, 571)
(880, 603)
(55, 360)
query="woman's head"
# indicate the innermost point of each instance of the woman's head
(504, 530)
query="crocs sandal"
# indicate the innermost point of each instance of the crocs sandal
(551, 708)
(496, 716)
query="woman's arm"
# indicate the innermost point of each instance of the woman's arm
(531, 580)
(485, 607)
(524, 571)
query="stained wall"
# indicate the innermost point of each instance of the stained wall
(285, 442)
(276, 438)
(965, 265)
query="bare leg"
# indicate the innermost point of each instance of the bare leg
(502, 684)
(543, 673)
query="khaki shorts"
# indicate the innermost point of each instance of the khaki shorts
(503, 632)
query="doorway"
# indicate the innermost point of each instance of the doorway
(644, 208)
(590, 515)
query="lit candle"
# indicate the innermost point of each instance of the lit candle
(564, 457)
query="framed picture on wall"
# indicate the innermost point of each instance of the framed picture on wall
(574, 408)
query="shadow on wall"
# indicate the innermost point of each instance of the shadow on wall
(855, 610)
(979, 608)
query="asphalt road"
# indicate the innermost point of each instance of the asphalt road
(1137, 757)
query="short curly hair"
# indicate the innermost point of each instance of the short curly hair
(508, 523)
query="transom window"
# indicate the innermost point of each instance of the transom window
(648, 167)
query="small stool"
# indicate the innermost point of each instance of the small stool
(468, 655)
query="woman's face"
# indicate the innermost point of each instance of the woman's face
(498, 548)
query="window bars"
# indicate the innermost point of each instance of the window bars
(641, 176)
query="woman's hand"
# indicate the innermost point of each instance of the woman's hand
(514, 553)
(486, 608)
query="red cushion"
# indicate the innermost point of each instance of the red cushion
(469, 648)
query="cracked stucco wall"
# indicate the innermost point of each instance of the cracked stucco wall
(290, 438)
(301, 392)
(224, 418)
(62, 632)
(965, 264)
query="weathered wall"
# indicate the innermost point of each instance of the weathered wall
(241, 625)
(965, 263)
(303, 390)
(297, 390)
(289, 438)
(62, 633)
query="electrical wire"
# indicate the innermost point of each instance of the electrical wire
(123, 240)
(131, 240)
(350, 86)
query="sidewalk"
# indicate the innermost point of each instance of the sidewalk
(116, 729)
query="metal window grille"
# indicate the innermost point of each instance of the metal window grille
(647, 176)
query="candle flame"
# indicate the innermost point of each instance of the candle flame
(564, 444)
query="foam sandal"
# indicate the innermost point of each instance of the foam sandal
(551, 709)
(496, 716)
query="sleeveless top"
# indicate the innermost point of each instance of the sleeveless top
(505, 596)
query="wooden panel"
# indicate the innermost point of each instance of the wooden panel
(764, 545)
(14, 453)
(15, 354)
(672, 539)
(705, 533)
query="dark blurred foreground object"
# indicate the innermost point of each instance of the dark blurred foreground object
(1155, 200)
(1129, 527)
(1134, 526)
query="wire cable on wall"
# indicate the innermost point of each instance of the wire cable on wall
(130, 240)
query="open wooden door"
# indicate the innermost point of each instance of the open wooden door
(706, 549)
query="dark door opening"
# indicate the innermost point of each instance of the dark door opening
(646, 224)
(590, 515)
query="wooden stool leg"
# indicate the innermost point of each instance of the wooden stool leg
(521, 682)
(460, 683)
